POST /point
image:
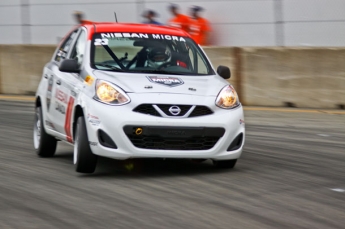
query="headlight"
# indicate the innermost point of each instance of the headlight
(110, 94)
(227, 98)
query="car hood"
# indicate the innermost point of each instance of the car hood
(158, 83)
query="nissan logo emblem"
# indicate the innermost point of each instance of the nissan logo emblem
(174, 110)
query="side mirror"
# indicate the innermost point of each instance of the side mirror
(69, 65)
(224, 72)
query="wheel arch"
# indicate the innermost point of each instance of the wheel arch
(38, 102)
(78, 112)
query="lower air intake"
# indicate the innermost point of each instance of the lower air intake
(105, 140)
(174, 138)
(236, 143)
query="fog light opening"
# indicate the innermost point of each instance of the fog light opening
(236, 143)
(105, 140)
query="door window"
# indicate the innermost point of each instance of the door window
(198, 63)
(65, 47)
(79, 48)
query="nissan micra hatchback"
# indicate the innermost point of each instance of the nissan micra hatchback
(136, 91)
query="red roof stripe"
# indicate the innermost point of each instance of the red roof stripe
(109, 27)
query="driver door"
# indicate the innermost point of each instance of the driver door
(61, 91)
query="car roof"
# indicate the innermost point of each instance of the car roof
(102, 27)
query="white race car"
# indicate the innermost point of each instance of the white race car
(136, 91)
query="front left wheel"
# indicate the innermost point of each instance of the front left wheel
(85, 161)
(44, 144)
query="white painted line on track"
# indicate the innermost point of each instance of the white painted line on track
(324, 135)
(338, 189)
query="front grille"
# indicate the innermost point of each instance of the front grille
(155, 142)
(165, 108)
(201, 111)
(148, 109)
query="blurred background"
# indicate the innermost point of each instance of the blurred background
(234, 22)
(281, 52)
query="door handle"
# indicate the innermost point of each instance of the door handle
(58, 82)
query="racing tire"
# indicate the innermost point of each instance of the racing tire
(45, 145)
(85, 161)
(225, 164)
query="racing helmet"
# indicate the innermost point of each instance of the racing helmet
(158, 56)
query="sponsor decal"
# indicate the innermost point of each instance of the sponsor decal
(49, 91)
(106, 36)
(241, 121)
(60, 108)
(93, 143)
(167, 81)
(89, 80)
(61, 96)
(93, 120)
(99, 41)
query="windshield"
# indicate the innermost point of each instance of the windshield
(148, 53)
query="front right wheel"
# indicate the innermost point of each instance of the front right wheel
(85, 161)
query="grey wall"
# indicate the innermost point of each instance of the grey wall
(234, 22)
(262, 76)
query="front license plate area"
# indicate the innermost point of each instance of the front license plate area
(175, 132)
(173, 138)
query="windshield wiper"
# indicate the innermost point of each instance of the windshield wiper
(111, 67)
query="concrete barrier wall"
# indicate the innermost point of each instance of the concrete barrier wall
(223, 56)
(296, 77)
(21, 67)
(300, 77)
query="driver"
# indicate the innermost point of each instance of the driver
(158, 56)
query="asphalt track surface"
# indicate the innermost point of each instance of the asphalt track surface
(291, 175)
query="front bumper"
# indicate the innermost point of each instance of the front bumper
(117, 121)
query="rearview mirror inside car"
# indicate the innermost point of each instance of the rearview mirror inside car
(69, 65)
(224, 72)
